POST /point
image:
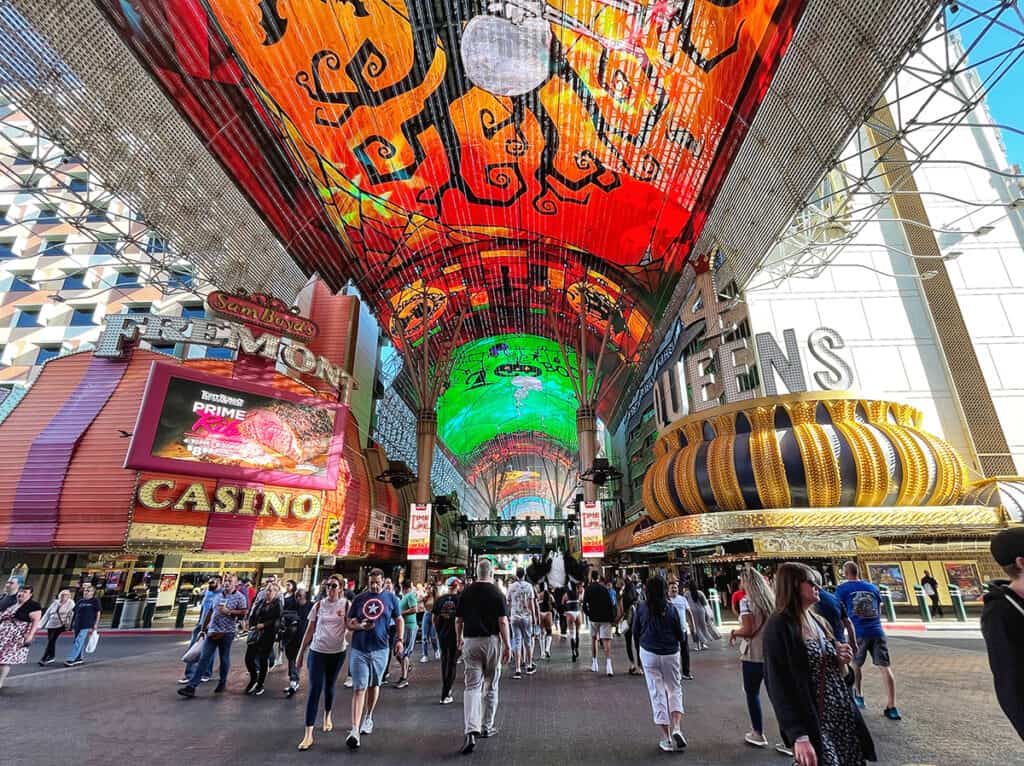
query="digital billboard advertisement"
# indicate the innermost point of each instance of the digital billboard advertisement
(204, 425)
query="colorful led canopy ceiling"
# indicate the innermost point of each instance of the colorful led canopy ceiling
(529, 507)
(518, 159)
(507, 386)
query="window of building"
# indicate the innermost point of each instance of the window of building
(47, 214)
(193, 312)
(139, 308)
(77, 184)
(164, 348)
(72, 159)
(106, 246)
(54, 246)
(156, 245)
(7, 251)
(127, 279)
(19, 285)
(27, 318)
(46, 353)
(96, 214)
(179, 280)
(75, 282)
(23, 157)
(82, 317)
(3, 216)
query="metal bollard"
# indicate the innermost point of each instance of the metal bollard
(922, 604)
(716, 607)
(890, 610)
(958, 602)
(115, 620)
(148, 612)
(179, 618)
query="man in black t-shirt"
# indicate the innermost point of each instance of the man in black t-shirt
(481, 621)
(444, 612)
(1002, 625)
(597, 605)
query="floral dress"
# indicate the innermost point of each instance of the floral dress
(839, 743)
(12, 638)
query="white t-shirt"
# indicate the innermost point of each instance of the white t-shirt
(520, 595)
(682, 606)
(331, 624)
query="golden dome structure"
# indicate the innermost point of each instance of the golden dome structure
(819, 450)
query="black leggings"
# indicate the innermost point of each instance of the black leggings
(323, 675)
(52, 634)
(684, 654)
(257, 658)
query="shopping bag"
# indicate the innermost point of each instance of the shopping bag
(93, 642)
(192, 653)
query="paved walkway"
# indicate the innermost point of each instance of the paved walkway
(122, 707)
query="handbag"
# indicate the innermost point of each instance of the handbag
(193, 653)
(93, 642)
(255, 634)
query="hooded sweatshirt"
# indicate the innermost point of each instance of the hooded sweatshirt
(1002, 624)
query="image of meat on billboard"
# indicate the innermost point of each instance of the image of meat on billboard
(195, 423)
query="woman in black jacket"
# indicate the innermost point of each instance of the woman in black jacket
(804, 670)
(263, 623)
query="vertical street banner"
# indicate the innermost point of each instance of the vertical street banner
(591, 530)
(419, 531)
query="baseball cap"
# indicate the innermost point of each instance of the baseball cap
(451, 581)
(1007, 546)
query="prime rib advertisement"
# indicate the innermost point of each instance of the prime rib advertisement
(198, 424)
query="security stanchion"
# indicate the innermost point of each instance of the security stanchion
(887, 605)
(115, 620)
(179, 618)
(716, 607)
(922, 604)
(958, 602)
(148, 612)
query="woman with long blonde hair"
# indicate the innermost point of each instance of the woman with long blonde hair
(755, 608)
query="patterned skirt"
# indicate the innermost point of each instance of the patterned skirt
(12, 642)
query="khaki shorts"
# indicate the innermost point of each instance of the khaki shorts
(601, 630)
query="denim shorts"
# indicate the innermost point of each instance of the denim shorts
(367, 668)
(520, 630)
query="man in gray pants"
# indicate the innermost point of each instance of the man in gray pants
(481, 627)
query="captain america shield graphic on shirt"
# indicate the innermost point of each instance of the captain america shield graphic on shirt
(373, 608)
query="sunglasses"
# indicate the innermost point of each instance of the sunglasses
(332, 585)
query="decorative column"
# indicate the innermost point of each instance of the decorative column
(586, 437)
(426, 436)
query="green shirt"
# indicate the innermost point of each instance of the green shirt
(409, 601)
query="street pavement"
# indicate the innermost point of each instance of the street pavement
(121, 707)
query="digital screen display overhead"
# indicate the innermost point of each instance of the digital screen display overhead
(506, 384)
(197, 424)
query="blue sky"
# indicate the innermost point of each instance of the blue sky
(1004, 100)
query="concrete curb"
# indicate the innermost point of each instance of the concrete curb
(104, 632)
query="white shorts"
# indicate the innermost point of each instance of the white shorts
(601, 630)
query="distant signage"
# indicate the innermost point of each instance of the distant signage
(263, 311)
(419, 531)
(592, 530)
(385, 528)
(198, 424)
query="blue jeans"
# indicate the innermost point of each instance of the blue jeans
(753, 675)
(191, 666)
(81, 636)
(323, 674)
(429, 633)
(221, 646)
(409, 640)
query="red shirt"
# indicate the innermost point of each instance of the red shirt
(736, 598)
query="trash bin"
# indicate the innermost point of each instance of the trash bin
(922, 604)
(958, 602)
(890, 610)
(131, 613)
(115, 619)
(179, 618)
(716, 607)
(148, 612)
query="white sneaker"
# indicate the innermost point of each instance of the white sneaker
(424, 658)
(667, 746)
(348, 683)
(353, 739)
(608, 668)
(593, 665)
(679, 739)
(437, 654)
(752, 739)
(447, 700)
(367, 727)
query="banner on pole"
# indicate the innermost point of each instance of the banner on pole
(592, 530)
(419, 531)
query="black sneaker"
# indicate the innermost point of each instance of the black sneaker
(220, 687)
(488, 733)
(258, 690)
(517, 675)
(251, 687)
(468, 744)
(531, 670)
(402, 683)
(679, 739)
(187, 691)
